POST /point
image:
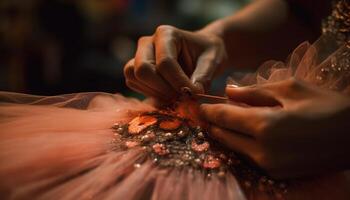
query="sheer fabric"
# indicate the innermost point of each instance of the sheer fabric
(62, 147)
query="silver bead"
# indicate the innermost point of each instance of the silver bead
(137, 165)
(200, 135)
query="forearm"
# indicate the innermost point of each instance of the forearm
(263, 30)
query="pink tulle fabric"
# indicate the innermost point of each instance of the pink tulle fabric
(61, 147)
(325, 64)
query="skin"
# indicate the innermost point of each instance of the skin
(287, 128)
(172, 58)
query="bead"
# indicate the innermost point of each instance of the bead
(149, 136)
(189, 147)
(247, 184)
(198, 161)
(181, 133)
(211, 162)
(282, 185)
(270, 182)
(200, 135)
(221, 174)
(131, 144)
(138, 124)
(200, 147)
(137, 165)
(160, 149)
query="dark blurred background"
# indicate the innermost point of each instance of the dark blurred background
(52, 47)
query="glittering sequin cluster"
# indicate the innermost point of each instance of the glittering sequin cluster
(335, 73)
(171, 141)
(338, 23)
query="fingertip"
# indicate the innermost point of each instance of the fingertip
(235, 94)
(231, 89)
(200, 89)
(203, 107)
(129, 68)
(232, 86)
(242, 94)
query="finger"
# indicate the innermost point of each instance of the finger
(129, 71)
(167, 47)
(156, 102)
(205, 70)
(235, 141)
(145, 71)
(134, 84)
(253, 95)
(247, 120)
(144, 90)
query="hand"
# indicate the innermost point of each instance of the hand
(288, 128)
(171, 59)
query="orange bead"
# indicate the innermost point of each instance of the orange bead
(139, 123)
(211, 162)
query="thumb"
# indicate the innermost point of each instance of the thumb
(252, 95)
(204, 72)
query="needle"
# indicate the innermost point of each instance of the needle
(211, 97)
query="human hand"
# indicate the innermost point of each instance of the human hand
(288, 128)
(171, 59)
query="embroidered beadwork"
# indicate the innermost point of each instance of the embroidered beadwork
(171, 142)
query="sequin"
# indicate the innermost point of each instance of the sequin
(338, 23)
(137, 165)
(131, 144)
(160, 149)
(211, 162)
(148, 137)
(140, 123)
(186, 146)
(199, 147)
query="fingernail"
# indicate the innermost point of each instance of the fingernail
(231, 83)
(232, 86)
(186, 91)
(203, 105)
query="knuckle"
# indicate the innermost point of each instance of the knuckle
(128, 70)
(164, 62)
(219, 114)
(270, 123)
(293, 83)
(263, 127)
(166, 30)
(143, 39)
(216, 41)
(142, 69)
